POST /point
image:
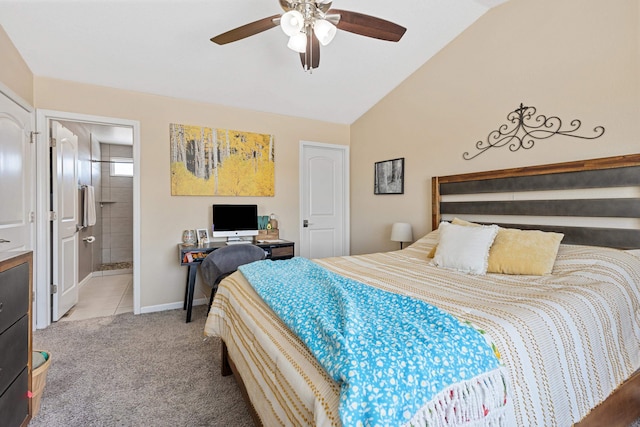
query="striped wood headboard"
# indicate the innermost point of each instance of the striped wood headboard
(593, 202)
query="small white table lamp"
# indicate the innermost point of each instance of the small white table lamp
(401, 232)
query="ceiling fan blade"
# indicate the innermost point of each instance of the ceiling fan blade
(311, 57)
(246, 30)
(368, 26)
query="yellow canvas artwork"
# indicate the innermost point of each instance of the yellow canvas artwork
(220, 162)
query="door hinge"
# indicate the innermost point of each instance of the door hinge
(32, 217)
(52, 216)
(34, 136)
(52, 142)
(54, 289)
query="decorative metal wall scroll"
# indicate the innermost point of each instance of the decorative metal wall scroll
(527, 129)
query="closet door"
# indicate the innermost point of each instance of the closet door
(17, 192)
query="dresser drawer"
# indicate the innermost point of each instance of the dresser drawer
(14, 356)
(14, 403)
(282, 252)
(14, 295)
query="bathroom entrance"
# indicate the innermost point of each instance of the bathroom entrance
(105, 220)
(107, 240)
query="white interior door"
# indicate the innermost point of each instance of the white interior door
(324, 200)
(64, 189)
(17, 191)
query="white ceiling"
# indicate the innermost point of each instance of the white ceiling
(104, 134)
(111, 134)
(162, 47)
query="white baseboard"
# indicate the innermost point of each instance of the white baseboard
(171, 306)
(85, 280)
(112, 272)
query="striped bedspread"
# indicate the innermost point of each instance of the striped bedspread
(396, 358)
(567, 340)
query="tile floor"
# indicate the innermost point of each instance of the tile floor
(105, 294)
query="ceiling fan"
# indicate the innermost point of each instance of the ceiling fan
(311, 23)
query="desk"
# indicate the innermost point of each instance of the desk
(193, 255)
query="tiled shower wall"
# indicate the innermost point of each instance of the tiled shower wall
(116, 207)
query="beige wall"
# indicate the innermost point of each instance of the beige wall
(575, 59)
(163, 217)
(14, 72)
(570, 58)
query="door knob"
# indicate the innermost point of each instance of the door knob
(305, 223)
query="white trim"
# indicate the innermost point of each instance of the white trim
(112, 272)
(43, 264)
(346, 243)
(172, 306)
(15, 98)
(85, 280)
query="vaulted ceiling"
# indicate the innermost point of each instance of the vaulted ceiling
(162, 47)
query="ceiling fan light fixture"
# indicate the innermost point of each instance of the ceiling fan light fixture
(292, 22)
(301, 17)
(324, 30)
(298, 42)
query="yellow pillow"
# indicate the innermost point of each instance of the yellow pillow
(514, 251)
(432, 252)
(459, 221)
(524, 252)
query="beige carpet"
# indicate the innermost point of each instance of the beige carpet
(146, 370)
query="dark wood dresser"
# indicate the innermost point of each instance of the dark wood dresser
(15, 337)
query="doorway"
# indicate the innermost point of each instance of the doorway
(105, 256)
(324, 200)
(103, 260)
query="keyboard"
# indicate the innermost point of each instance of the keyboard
(239, 242)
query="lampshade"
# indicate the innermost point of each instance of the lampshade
(324, 30)
(298, 42)
(401, 232)
(292, 22)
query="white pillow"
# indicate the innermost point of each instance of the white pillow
(465, 249)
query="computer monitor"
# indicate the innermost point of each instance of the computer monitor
(235, 221)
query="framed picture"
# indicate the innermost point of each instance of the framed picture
(203, 236)
(389, 177)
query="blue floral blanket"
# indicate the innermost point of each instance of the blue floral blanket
(398, 360)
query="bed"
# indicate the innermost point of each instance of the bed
(569, 341)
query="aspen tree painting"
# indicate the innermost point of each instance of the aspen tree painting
(220, 162)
